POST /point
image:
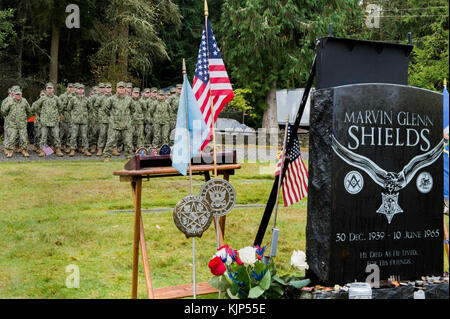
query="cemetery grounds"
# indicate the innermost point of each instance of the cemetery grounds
(59, 214)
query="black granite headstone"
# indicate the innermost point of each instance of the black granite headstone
(375, 183)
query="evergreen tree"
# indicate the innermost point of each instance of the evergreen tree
(270, 44)
(428, 23)
(6, 27)
(130, 36)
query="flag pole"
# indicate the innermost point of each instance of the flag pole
(187, 125)
(212, 120)
(283, 157)
(212, 124)
(445, 224)
(271, 202)
(194, 279)
(275, 230)
(210, 95)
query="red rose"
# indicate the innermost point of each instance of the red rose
(217, 266)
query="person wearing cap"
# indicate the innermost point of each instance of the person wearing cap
(102, 118)
(65, 118)
(147, 100)
(138, 119)
(49, 109)
(5, 100)
(37, 129)
(93, 126)
(10, 95)
(79, 112)
(129, 89)
(161, 121)
(121, 111)
(167, 99)
(16, 112)
(93, 92)
(173, 100)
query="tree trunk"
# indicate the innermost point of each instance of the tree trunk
(20, 54)
(54, 51)
(123, 53)
(270, 115)
(21, 18)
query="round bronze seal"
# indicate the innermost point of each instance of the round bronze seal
(192, 216)
(220, 195)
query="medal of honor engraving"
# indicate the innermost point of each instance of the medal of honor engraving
(221, 196)
(192, 216)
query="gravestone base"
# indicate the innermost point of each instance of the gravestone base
(433, 291)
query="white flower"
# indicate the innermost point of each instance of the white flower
(223, 254)
(298, 259)
(248, 255)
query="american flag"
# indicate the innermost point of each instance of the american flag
(47, 150)
(211, 80)
(295, 181)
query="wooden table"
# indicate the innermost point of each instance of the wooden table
(135, 177)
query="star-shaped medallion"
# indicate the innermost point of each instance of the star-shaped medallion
(389, 206)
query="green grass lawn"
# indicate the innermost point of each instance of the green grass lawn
(53, 214)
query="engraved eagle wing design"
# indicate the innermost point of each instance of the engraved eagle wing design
(391, 181)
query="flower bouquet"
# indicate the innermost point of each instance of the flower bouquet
(243, 274)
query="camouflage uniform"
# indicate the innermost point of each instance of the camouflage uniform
(65, 117)
(49, 108)
(78, 107)
(94, 126)
(166, 137)
(16, 113)
(138, 119)
(150, 105)
(103, 119)
(161, 120)
(120, 121)
(37, 129)
(6, 100)
(173, 101)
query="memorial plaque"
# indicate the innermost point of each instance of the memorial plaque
(192, 216)
(375, 183)
(220, 195)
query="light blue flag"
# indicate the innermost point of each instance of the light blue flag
(189, 117)
(445, 94)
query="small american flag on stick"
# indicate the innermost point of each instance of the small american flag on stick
(211, 80)
(47, 150)
(295, 181)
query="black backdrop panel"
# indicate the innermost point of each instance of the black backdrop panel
(343, 61)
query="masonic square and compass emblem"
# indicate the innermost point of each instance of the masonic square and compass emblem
(353, 182)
